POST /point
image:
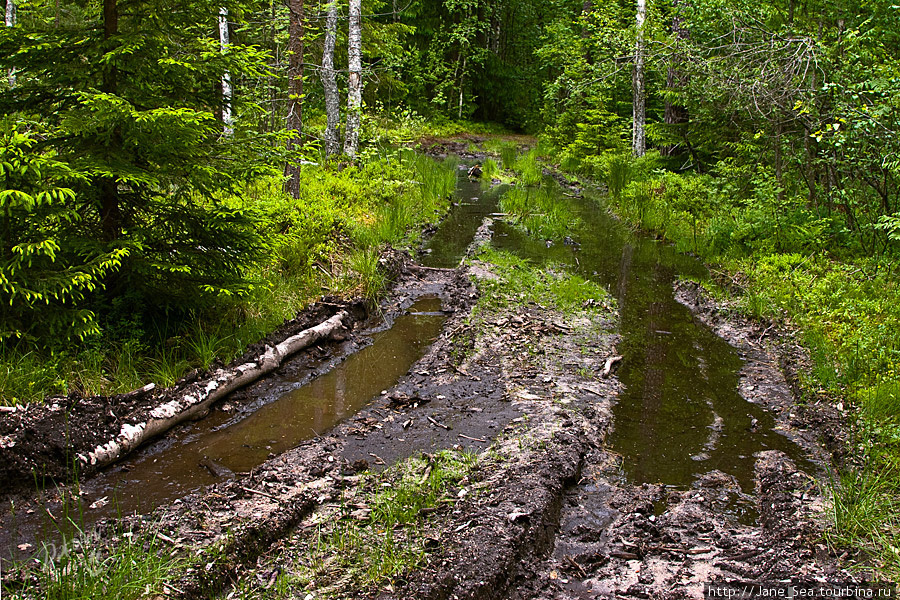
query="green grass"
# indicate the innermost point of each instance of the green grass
(530, 171)
(508, 153)
(539, 212)
(325, 242)
(864, 514)
(846, 305)
(519, 281)
(489, 170)
(88, 568)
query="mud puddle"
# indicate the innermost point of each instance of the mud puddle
(681, 413)
(219, 447)
(474, 202)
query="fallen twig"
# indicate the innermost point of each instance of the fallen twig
(768, 329)
(572, 562)
(607, 368)
(415, 267)
(261, 493)
(439, 424)
(472, 438)
(462, 371)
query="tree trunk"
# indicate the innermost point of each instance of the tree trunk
(354, 92)
(110, 218)
(638, 131)
(198, 398)
(296, 51)
(462, 78)
(675, 114)
(11, 22)
(332, 101)
(227, 92)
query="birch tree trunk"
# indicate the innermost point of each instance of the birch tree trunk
(296, 51)
(332, 101)
(462, 77)
(11, 22)
(227, 92)
(110, 215)
(638, 131)
(354, 92)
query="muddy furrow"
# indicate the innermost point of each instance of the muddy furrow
(534, 418)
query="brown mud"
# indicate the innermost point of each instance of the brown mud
(547, 512)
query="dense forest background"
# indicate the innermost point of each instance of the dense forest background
(172, 188)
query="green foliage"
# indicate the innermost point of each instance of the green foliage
(339, 223)
(519, 281)
(508, 153)
(133, 567)
(865, 513)
(489, 170)
(377, 534)
(48, 264)
(530, 171)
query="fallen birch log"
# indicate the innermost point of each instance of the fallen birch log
(195, 401)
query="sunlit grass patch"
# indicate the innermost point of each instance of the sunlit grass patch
(519, 281)
(539, 212)
(86, 567)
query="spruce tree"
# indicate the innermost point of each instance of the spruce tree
(125, 103)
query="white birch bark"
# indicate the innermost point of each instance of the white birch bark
(332, 100)
(638, 131)
(201, 396)
(354, 91)
(227, 91)
(11, 22)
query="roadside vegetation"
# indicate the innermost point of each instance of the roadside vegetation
(85, 567)
(327, 241)
(780, 262)
(167, 197)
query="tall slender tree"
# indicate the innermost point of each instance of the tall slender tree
(11, 22)
(329, 82)
(294, 122)
(639, 103)
(354, 91)
(227, 90)
(110, 215)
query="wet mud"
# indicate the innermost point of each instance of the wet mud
(553, 509)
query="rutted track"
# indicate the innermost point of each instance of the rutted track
(547, 513)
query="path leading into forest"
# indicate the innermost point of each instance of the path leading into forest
(683, 463)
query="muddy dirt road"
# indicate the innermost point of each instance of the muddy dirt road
(574, 429)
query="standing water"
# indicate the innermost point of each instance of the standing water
(680, 414)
